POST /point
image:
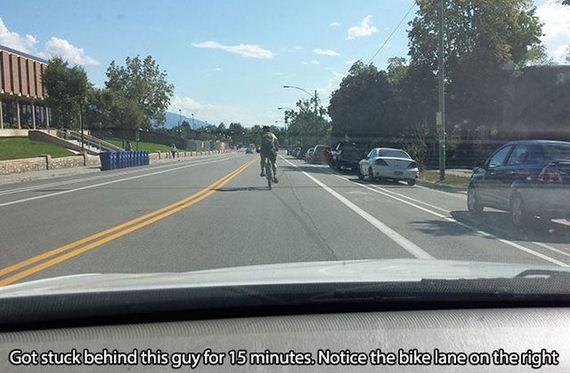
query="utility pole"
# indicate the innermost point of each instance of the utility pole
(316, 119)
(440, 118)
(81, 127)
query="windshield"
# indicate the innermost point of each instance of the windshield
(258, 141)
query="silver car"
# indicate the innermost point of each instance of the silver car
(388, 163)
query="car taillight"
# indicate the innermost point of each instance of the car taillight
(550, 173)
(412, 165)
(381, 162)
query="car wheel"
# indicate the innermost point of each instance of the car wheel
(519, 217)
(360, 175)
(370, 174)
(412, 182)
(473, 203)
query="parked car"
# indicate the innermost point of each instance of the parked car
(303, 152)
(309, 154)
(347, 155)
(249, 150)
(295, 152)
(526, 178)
(319, 154)
(388, 163)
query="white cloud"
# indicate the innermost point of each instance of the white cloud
(244, 50)
(298, 47)
(556, 29)
(334, 24)
(217, 113)
(56, 47)
(326, 52)
(365, 28)
(24, 43)
(315, 62)
(53, 47)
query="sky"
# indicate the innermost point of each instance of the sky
(229, 59)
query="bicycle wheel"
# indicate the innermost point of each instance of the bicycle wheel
(268, 173)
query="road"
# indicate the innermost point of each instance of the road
(215, 211)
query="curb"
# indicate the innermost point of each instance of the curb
(442, 187)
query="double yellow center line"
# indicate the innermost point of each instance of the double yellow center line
(23, 269)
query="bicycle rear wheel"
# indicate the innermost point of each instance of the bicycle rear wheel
(268, 173)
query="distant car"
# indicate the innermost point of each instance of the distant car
(295, 152)
(347, 155)
(388, 163)
(319, 154)
(309, 154)
(249, 150)
(526, 178)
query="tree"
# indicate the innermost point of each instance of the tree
(363, 107)
(109, 109)
(144, 83)
(304, 126)
(66, 88)
(481, 38)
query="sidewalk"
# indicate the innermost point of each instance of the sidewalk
(49, 174)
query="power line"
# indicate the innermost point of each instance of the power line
(393, 32)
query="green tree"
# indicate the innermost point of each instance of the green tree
(142, 81)
(362, 108)
(481, 38)
(67, 89)
(110, 109)
(304, 126)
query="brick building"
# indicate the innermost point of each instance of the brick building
(22, 94)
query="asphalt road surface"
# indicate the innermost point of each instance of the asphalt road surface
(216, 211)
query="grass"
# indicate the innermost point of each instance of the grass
(452, 180)
(21, 147)
(149, 146)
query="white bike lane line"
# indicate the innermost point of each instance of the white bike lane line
(194, 164)
(408, 202)
(403, 242)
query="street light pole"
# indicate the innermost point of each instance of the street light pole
(316, 98)
(440, 119)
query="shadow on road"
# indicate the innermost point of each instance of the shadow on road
(496, 223)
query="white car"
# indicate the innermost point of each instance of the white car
(387, 163)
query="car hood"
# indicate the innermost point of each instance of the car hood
(353, 271)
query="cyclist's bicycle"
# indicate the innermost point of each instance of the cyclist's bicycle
(268, 171)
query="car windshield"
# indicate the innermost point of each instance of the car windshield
(230, 143)
(392, 153)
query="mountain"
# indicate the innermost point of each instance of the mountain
(173, 119)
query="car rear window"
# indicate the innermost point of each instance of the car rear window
(393, 153)
(557, 152)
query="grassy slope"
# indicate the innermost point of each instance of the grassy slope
(151, 147)
(21, 147)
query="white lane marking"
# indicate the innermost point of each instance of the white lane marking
(99, 177)
(392, 234)
(452, 220)
(110, 182)
(461, 195)
(411, 199)
(552, 248)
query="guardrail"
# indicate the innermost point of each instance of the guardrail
(115, 160)
(88, 140)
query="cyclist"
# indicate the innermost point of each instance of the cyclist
(268, 151)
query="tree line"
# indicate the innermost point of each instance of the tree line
(487, 46)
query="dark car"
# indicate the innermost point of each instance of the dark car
(347, 155)
(303, 152)
(527, 178)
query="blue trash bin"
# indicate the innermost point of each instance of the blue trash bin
(104, 158)
(112, 160)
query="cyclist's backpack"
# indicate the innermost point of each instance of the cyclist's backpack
(266, 143)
